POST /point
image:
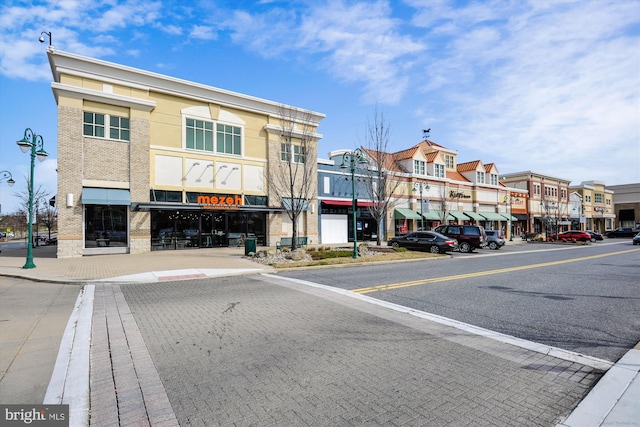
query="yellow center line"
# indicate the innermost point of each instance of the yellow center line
(479, 273)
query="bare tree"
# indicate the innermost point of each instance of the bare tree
(39, 195)
(380, 184)
(47, 215)
(293, 178)
(443, 204)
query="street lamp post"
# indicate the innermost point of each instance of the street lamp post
(351, 160)
(419, 186)
(35, 144)
(509, 199)
(6, 175)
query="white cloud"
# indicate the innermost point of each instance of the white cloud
(556, 83)
(358, 42)
(202, 32)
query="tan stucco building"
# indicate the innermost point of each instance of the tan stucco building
(149, 162)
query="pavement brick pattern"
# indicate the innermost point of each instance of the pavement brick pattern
(125, 387)
(246, 351)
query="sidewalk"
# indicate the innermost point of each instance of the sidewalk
(612, 402)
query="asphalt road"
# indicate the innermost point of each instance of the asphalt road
(580, 298)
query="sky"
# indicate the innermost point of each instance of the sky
(551, 86)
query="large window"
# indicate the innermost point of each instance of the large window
(99, 125)
(228, 138)
(598, 198)
(419, 167)
(105, 226)
(199, 135)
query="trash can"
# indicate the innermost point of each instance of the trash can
(249, 245)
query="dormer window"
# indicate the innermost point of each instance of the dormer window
(419, 167)
(494, 179)
(448, 158)
(480, 177)
(438, 170)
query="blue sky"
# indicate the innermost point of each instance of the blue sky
(549, 86)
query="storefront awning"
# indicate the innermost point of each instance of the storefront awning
(492, 216)
(459, 216)
(434, 215)
(474, 215)
(506, 216)
(405, 213)
(106, 196)
(522, 217)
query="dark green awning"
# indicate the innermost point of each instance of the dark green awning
(474, 215)
(492, 216)
(405, 213)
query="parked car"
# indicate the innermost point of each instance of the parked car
(572, 236)
(469, 237)
(622, 232)
(53, 240)
(495, 239)
(595, 236)
(424, 240)
(636, 239)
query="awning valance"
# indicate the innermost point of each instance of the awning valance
(522, 217)
(106, 196)
(405, 213)
(459, 216)
(492, 216)
(474, 215)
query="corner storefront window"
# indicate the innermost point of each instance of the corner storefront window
(105, 226)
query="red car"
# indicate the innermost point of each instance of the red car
(572, 236)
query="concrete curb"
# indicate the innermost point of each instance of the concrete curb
(614, 400)
(70, 379)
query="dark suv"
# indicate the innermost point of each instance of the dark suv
(469, 237)
(622, 232)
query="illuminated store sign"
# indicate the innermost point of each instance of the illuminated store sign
(221, 201)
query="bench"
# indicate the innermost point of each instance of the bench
(287, 242)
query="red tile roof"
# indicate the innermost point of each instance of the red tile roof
(468, 166)
(456, 176)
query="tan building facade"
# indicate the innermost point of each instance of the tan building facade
(597, 205)
(149, 162)
(548, 205)
(626, 205)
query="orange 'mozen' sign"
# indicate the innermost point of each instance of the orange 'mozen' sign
(220, 201)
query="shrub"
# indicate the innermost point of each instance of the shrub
(331, 254)
(399, 249)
